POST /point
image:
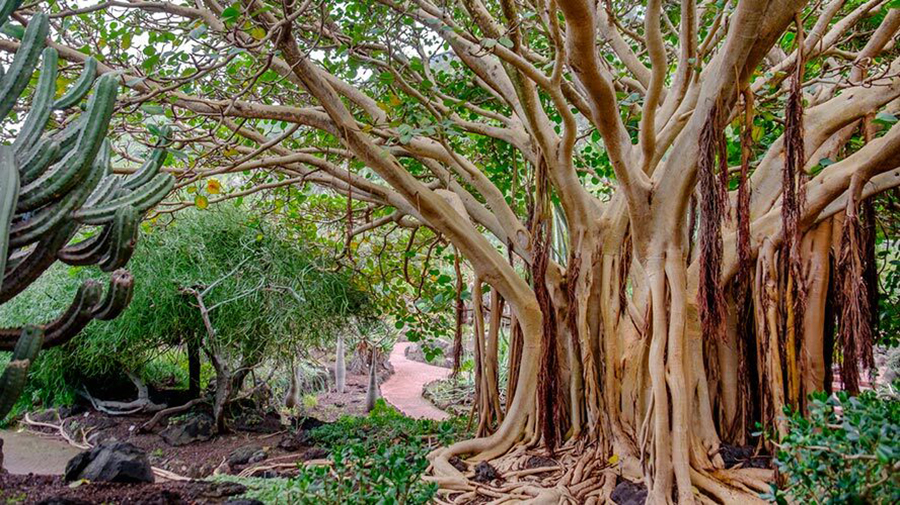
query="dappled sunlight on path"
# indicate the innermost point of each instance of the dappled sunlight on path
(404, 388)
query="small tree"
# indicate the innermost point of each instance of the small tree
(221, 281)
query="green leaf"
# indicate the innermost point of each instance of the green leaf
(15, 31)
(488, 43)
(153, 109)
(505, 42)
(230, 13)
(886, 117)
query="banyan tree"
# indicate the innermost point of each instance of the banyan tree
(670, 196)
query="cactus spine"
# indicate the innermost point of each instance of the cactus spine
(54, 184)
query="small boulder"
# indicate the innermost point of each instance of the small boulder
(246, 455)
(293, 442)
(314, 453)
(223, 489)
(629, 493)
(459, 464)
(110, 462)
(197, 428)
(485, 473)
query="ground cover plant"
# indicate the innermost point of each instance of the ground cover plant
(378, 458)
(846, 450)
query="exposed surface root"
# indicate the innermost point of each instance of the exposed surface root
(578, 475)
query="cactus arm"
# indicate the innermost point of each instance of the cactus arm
(68, 324)
(38, 159)
(12, 382)
(142, 199)
(19, 72)
(118, 296)
(152, 164)
(68, 135)
(45, 220)
(7, 7)
(148, 169)
(75, 165)
(9, 193)
(41, 257)
(78, 90)
(37, 118)
(107, 190)
(76, 317)
(122, 239)
(86, 252)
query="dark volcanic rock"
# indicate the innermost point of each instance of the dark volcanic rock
(223, 489)
(246, 455)
(111, 462)
(743, 456)
(629, 493)
(293, 442)
(314, 453)
(195, 429)
(309, 423)
(485, 473)
(540, 462)
(243, 501)
(458, 463)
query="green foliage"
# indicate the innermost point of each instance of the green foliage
(386, 425)
(282, 297)
(846, 451)
(390, 474)
(377, 459)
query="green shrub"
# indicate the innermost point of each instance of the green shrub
(285, 297)
(377, 459)
(386, 425)
(846, 451)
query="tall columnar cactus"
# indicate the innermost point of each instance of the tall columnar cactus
(54, 184)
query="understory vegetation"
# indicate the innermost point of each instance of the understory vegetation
(267, 298)
(376, 459)
(846, 449)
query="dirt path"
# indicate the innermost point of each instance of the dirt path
(25, 452)
(404, 388)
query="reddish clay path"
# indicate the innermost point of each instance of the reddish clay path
(404, 388)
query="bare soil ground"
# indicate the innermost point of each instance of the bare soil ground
(51, 489)
(196, 460)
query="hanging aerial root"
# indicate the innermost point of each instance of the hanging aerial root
(710, 299)
(460, 313)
